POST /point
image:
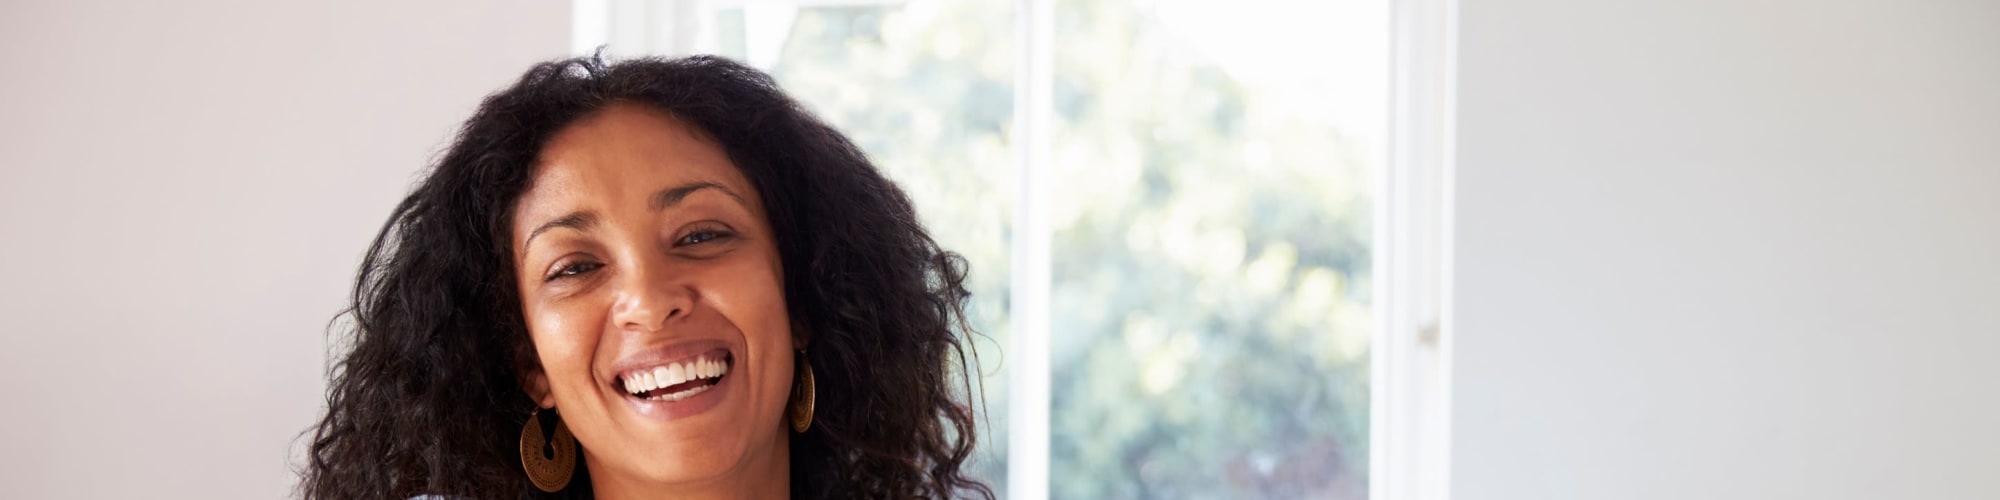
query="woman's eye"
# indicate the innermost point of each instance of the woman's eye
(573, 270)
(701, 237)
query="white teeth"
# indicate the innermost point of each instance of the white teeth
(639, 382)
(659, 377)
(681, 395)
(667, 376)
(676, 374)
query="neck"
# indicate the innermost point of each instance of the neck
(765, 474)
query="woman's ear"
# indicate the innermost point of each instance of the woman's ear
(800, 336)
(533, 379)
(535, 382)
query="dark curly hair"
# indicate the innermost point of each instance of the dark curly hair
(428, 399)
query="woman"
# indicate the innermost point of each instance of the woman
(714, 293)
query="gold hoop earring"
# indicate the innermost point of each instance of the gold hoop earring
(549, 471)
(803, 394)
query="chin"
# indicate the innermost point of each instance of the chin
(690, 464)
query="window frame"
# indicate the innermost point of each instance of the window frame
(1410, 347)
(1410, 394)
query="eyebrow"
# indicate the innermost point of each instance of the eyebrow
(574, 220)
(666, 198)
(669, 197)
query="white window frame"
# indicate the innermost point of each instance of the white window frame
(1028, 384)
(1410, 406)
(1410, 396)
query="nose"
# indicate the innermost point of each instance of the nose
(650, 297)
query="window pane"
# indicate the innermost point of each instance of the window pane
(1212, 168)
(926, 88)
(1212, 204)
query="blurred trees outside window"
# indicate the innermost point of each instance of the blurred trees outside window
(1212, 173)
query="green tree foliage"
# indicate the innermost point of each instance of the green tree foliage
(1210, 293)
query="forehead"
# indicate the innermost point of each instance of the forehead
(616, 158)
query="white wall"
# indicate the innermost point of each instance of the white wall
(1726, 249)
(185, 190)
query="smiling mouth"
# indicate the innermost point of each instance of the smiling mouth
(678, 380)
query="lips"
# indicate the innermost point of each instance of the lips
(678, 379)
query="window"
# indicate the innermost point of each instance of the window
(1194, 274)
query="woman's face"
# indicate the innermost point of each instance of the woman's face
(653, 293)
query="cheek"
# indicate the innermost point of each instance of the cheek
(753, 299)
(771, 342)
(565, 337)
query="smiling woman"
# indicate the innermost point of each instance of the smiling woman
(651, 279)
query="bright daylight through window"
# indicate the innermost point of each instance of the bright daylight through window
(1211, 184)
